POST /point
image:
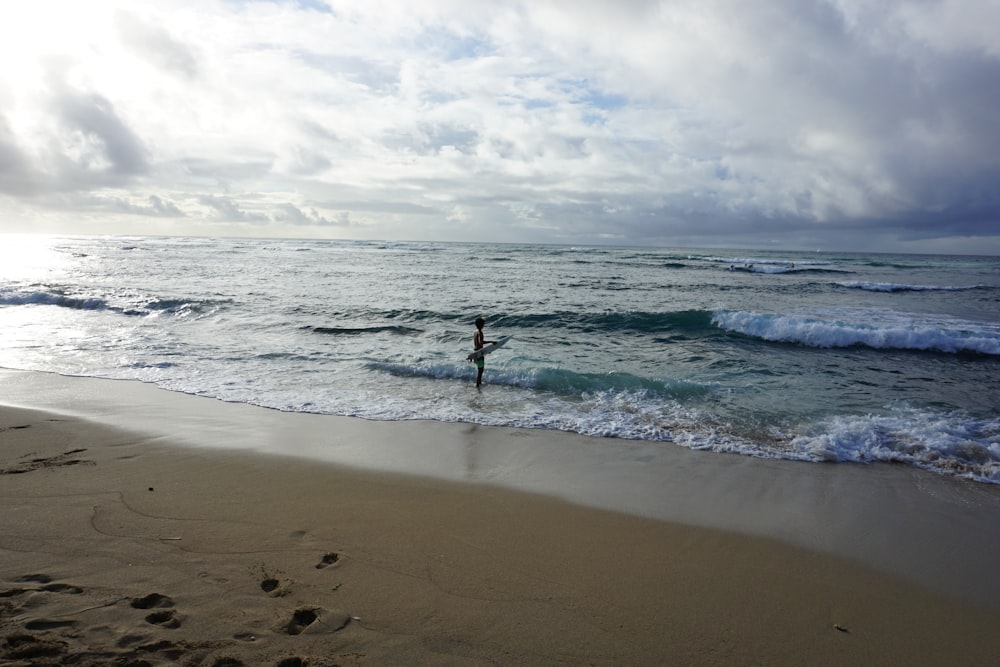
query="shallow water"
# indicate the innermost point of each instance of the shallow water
(800, 356)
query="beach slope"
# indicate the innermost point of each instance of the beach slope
(121, 548)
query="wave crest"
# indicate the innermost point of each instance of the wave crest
(867, 329)
(52, 299)
(553, 380)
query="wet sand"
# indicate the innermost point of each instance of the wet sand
(128, 546)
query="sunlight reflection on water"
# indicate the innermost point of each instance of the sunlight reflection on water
(28, 257)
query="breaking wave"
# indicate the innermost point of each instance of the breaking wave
(867, 329)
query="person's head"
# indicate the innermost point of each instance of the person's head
(480, 323)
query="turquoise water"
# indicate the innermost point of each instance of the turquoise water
(802, 356)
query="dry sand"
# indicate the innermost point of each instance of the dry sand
(119, 550)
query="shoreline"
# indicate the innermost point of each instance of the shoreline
(934, 531)
(117, 545)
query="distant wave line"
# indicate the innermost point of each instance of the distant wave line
(46, 298)
(747, 261)
(693, 321)
(897, 287)
(359, 331)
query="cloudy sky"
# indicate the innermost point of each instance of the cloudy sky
(810, 124)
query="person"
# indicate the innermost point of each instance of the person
(478, 341)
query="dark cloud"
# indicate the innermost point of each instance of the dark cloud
(17, 174)
(95, 146)
(93, 118)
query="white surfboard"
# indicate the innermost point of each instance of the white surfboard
(486, 349)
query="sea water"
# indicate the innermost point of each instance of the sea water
(804, 356)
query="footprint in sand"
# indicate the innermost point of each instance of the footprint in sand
(26, 647)
(227, 662)
(328, 559)
(165, 619)
(301, 619)
(151, 601)
(128, 640)
(275, 588)
(46, 624)
(169, 650)
(41, 579)
(330, 621)
(62, 588)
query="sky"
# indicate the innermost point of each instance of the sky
(785, 124)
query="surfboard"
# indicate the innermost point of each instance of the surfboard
(486, 349)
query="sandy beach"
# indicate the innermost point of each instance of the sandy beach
(126, 546)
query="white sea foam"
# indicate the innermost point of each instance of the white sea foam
(944, 442)
(876, 329)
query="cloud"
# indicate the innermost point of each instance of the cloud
(158, 207)
(227, 210)
(154, 44)
(288, 213)
(16, 177)
(821, 123)
(96, 140)
(83, 142)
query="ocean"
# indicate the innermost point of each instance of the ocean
(846, 358)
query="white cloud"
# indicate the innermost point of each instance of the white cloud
(641, 121)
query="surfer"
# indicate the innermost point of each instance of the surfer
(478, 341)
